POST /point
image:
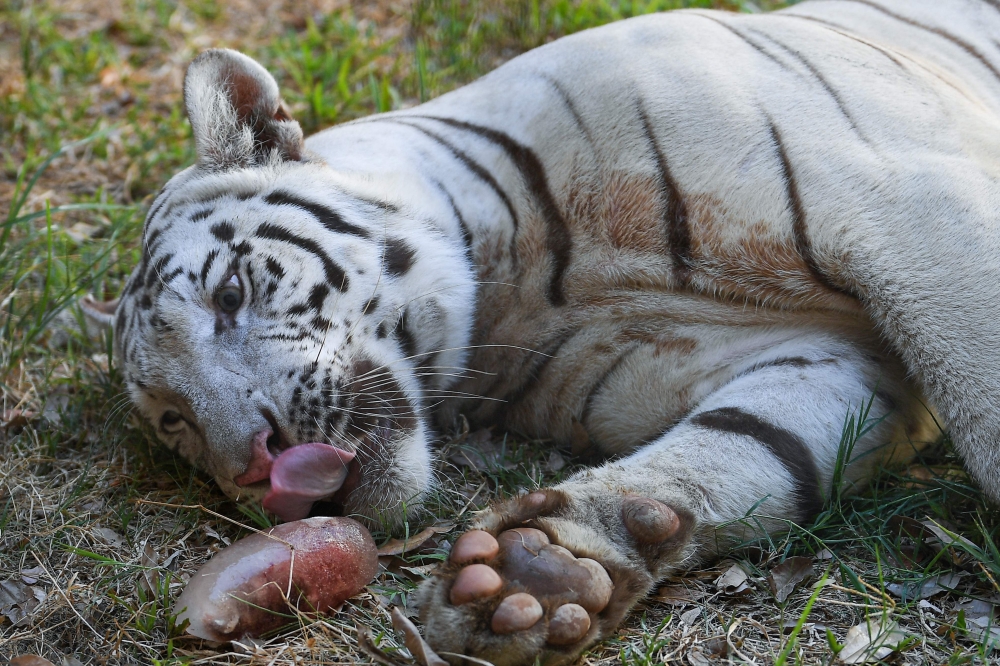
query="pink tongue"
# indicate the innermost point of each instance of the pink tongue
(304, 474)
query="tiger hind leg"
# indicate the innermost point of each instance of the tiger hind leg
(547, 574)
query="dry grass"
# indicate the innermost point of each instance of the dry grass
(97, 533)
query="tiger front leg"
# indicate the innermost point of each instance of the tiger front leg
(547, 574)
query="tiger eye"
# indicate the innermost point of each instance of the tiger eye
(230, 297)
(170, 421)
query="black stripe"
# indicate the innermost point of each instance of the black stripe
(463, 226)
(326, 216)
(224, 231)
(207, 266)
(675, 219)
(241, 249)
(149, 243)
(398, 257)
(158, 203)
(786, 446)
(599, 384)
(274, 268)
(406, 339)
(559, 239)
(844, 32)
(317, 295)
(202, 214)
(799, 231)
(893, 56)
(957, 41)
(170, 277)
(529, 377)
(752, 44)
(821, 79)
(473, 166)
(156, 271)
(376, 203)
(570, 106)
(335, 275)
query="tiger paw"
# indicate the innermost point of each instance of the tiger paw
(511, 593)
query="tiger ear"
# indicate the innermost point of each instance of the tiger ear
(236, 112)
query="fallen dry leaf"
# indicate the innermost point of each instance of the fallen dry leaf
(149, 581)
(481, 452)
(934, 585)
(733, 582)
(785, 577)
(697, 656)
(980, 621)
(111, 537)
(690, 617)
(677, 595)
(417, 646)
(366, 645)
(400, 546)
(30, 576)
(948, 539)
(555, 462)
(18, 600)
(870, 642)
(30, 660)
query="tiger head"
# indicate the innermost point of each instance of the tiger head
(281, 328)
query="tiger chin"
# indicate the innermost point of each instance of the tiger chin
(691, 242)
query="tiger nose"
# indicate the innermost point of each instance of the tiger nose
(261, 459)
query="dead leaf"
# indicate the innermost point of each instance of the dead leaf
(785, 577)
(215, 535)
(733, 582)
(366, 645)
(18, 600)
(149, 581)
(30, 576)
(870, 642)
(413, 542)
(698, 656)
(555, 462)
(30, 660)
(81, 232)
(690, 617)
(108, 535)
(481, 452)
(980, 621)
(14, 420)
(718, 646)
(947, 537)
(930, 587)
(417, 646)
(421, 572)
(677, 595)
(923, 603)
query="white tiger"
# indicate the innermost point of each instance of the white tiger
(692, 241)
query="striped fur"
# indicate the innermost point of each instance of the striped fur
(694, 241)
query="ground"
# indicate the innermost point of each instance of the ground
(99, 528)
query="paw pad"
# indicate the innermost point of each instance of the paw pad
(574, 587)
(474, 545)
(648, 520)
(476, 581)
(569, 623)
(517, 612)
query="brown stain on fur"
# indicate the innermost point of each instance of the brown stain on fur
(751, 260)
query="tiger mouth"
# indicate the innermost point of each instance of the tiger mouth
(304, 474)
